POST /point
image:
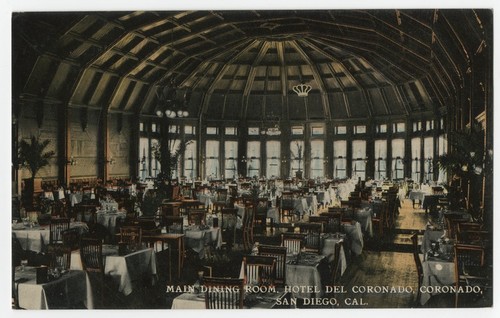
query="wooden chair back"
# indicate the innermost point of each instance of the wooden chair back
(196, 216)
(259, 270)
(278, 252)
(224, 293)
(312, 238)
(91, 255)
(131, 234)
(71, 238)
(57, 226)
(336, 272)
(59, 256)
(294, 242)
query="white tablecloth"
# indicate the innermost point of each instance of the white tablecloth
(364, 217)
(108, 220)
(436, 273)
(328, 242)
(199, 240)
(127, 270)
(69, 290)
(304, 274)
(206, 199)
(33, 239)
(355, 235)
(75, 198)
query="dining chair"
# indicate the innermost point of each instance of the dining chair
(278, 252)
(259, 270)
(174, 224)
(59, 256)
(286, 205)
(471, 270)
(261, 214)
(57, 226)
(220, 201)
(224, 293)
(312, 231)
(93, 264)
(229, 218)
(71, 238)
(336, 267)
(334, 224)
(131, 235)
(247, 228)
(196, 216)
(294, 242)
(418, 264)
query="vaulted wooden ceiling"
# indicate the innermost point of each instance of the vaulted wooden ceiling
(243, 64)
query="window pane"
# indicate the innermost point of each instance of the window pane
(190, 161)
(339, 159)
(380, 159)
(296, 156)
(428, 156)
(361, 129)
(317, 131)
(341, 130)
(144, 158)
(155, 164)
(230, 131)
(317, 154)
(211, 130)
(189, 130)
(398, 150)
(253, 157)
(297, 130)
(273, 162)
(358, 159)
(231, 163)
(253, 131)
(212, 159)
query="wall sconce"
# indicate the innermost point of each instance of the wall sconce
(71, 161)
(284, 160)
(243, 159)
(111, 161)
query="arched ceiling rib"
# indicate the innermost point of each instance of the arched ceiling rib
(360, 63)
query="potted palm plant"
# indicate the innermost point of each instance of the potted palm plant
(33, 155)
(467, 164)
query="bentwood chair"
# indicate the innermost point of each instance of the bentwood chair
(57, 226)
(278, 252)
(259, 270)
(196, 216)
(224, 293)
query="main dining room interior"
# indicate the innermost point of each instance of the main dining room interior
(252, 159)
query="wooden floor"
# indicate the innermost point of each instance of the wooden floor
(385, 264)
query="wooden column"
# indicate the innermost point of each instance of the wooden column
(64, 145)
(102, 151)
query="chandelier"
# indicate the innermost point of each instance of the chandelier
(169, 105)
(302, 90)
(273, 129)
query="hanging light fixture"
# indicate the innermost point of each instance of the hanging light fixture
(167, 103)
(302, 90)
